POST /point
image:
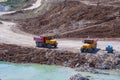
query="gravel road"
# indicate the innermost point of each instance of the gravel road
(10, 36)
(34, 5)
(76, 44)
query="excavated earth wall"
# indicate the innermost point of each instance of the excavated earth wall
(73, 19)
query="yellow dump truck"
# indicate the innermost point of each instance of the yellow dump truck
(89, 45)
(45, 41)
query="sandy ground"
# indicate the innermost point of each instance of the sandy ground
(7, 35)
(88, 3)
(100, 3)
(76, 44)
(35, 5)
(10, 36)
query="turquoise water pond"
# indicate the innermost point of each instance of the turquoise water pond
(9, 71)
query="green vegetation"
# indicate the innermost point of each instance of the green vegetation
(9, 2)
(15, 4)
(16, 1)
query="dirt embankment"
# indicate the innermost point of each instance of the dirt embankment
(17, 54)
(75, 19)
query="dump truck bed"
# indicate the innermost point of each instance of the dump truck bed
(39, 39)
(95, 40)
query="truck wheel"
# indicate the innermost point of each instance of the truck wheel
(93, 49)
(90, 50)
(38, 44)
(55, 46)
(49, 46)
(44, 45)
(82, 50)
(110, 51)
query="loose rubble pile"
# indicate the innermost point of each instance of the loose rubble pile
(78, 77)
(17, 54)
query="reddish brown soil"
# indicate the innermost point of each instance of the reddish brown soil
(64, 20)
(17, 54)
(115, 3)
(109, 29)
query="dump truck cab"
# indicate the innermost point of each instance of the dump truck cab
(45, 41)
(50, 40)
(89, 45)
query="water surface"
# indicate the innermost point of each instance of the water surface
(9, 71)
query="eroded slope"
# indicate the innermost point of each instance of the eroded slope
(71, 18)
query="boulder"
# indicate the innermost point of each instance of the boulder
(78, 77)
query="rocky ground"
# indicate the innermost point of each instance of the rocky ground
(81, 61)
(78, 77)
